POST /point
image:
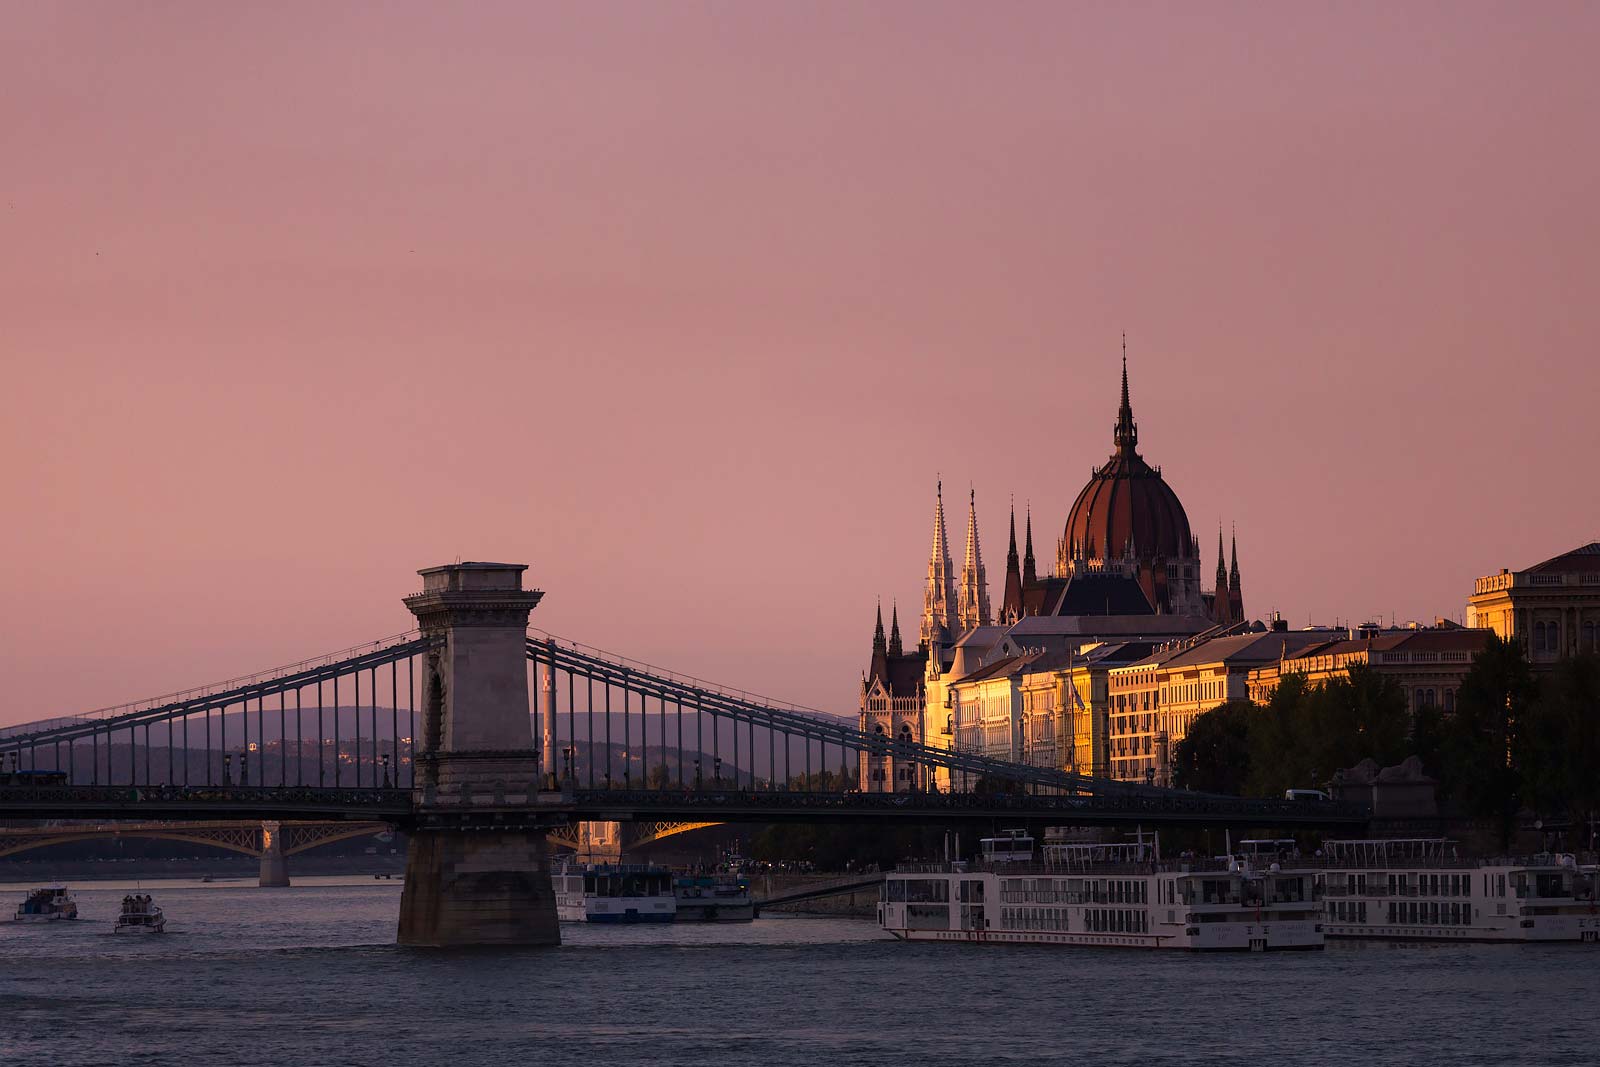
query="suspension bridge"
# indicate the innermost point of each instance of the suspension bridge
(434, 731)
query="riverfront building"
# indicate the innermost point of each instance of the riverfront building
(1428, 665)
(1552, 608)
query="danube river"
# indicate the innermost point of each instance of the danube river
(309, 976)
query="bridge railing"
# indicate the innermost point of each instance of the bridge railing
(345, 719)
(579, 689)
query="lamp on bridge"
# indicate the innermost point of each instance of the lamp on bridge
(227, 768)
(386, 784)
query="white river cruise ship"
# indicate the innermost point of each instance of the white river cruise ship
(1417, 889)
(1120, 895)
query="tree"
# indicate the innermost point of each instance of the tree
(1558, 744)
(1483, 746)
(1214, 756)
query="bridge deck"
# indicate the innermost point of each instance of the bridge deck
(398, 806)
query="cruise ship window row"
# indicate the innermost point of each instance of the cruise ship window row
(1116, 921)
(1430, 913)
(1034, 919)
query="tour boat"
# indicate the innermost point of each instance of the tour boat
(140, 915)
(1114, 895)
(713, 898)
(1418, 889)
(47, 905)
(614, 893)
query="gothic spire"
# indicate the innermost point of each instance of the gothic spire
(878, 646)
(1029, 574)
(974, 599)
(895, 647)
(1235, 591)
(1220, 604)
(1011, 602)
(939, 598)
(1127, 431)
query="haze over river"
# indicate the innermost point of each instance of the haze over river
(310, 975)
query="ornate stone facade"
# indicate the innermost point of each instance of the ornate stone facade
(1552, 608)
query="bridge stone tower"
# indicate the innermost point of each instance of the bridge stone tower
(477, 872)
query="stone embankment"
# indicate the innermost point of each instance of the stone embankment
(859, 904)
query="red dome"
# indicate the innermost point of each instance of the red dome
(1128, 500)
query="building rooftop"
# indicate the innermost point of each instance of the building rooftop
(1585, 559)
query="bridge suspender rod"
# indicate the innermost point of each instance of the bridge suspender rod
(852, 739)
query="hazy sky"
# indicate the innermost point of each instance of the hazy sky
(687, 305)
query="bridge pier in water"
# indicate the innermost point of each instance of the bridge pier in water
(274, 864)
(477, 869)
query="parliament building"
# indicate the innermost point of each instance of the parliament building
(1021, 683)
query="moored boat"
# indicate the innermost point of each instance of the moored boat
(1112, 895)
(1419, 889)
(48, 904)
(713, 898)
(614, 893)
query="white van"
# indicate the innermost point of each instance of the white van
(1305, 794)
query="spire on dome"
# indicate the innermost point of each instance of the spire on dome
(1126, 436)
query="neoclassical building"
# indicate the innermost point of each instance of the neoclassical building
(1553, 607)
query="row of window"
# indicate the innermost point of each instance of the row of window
(1115, 921)
(1547, 637)
(1034, 918)
(1348, 911)
(1430, 913)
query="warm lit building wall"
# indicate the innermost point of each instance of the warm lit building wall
(1427, 665)
(1552, 609)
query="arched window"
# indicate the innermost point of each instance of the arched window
(1450, 700)
(1588, 637)
(1538, 637)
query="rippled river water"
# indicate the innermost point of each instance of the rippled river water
(309, 975)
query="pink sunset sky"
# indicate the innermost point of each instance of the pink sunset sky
(686, 305)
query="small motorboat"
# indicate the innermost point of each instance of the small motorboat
(49, 904)
(140, 915)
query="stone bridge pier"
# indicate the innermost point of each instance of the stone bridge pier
(478, 870)
(274, 865)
